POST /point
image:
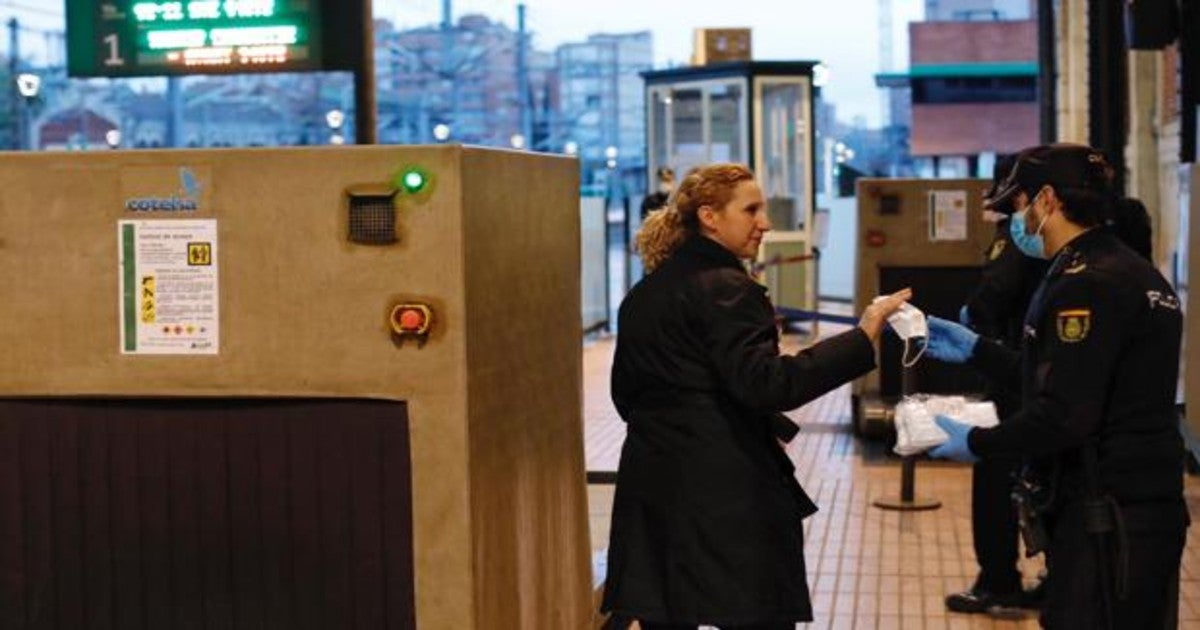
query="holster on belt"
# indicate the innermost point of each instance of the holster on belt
(1027, 497)
(1102, 518)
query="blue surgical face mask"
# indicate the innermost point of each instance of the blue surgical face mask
(1031, 245)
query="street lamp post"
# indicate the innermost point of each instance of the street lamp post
(836, 154)
(29, 85)
(335, 118)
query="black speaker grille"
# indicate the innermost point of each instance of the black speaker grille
(372, 220)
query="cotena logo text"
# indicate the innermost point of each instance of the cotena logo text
(187, 200)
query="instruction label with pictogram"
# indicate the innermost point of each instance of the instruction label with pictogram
(168, 286)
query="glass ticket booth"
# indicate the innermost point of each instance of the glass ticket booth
(759, 113)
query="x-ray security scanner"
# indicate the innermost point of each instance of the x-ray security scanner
(333, 387)
(929, 235)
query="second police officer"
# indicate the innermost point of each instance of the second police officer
(996, 310)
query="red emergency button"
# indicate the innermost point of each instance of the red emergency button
(411, 320)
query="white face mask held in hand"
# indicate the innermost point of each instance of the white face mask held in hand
(909, 324)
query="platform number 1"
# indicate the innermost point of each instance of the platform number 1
(114, 51)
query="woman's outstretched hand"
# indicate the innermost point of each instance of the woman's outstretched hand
(876, 314)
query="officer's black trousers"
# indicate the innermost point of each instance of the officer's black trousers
(651, 625)
(994, 525)
(1156, 537)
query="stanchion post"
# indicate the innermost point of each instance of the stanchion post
(816, 270)
(907, 501)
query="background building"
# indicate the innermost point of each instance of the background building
(971, 90)
(965, 10)
(463, 76)
(601, 103)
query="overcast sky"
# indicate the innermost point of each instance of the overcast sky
(844, 34)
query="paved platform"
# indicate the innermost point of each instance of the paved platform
(868, 568)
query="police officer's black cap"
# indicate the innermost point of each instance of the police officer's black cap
(1000, 171)
(1058, 165)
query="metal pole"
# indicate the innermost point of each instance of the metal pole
(615, 113)
(1189, 84)
(1108, 98)
(26, 124)
(448, 71)
(174, 113)
(523, 77)
(816, 271)
(1047, 95)
(908, 501)
(908, 479)
(364, 82)
(14, 56)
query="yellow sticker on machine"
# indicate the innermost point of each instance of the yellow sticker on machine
(148, 310)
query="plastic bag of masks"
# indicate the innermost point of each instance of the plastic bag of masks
(916, 432)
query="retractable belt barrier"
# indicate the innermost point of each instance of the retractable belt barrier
(800, 314)
(760, 267)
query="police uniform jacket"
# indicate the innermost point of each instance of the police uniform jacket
(996, 309)
(706, 524)
(1099, 366)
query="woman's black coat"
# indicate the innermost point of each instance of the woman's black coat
(706, 524)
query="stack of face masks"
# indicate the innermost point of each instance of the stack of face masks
(916, 432)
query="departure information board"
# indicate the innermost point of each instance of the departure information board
(143, 37)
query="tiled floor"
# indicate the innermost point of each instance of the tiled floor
(868, 568)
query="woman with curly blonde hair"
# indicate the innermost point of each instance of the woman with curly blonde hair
(706, 524)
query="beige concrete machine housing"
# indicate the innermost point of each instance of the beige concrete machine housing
(898, 211)
(494, 396)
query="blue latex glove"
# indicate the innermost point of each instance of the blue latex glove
(964, 316)
(950, 342)
(956, 447)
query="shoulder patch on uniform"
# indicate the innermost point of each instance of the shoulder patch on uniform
(1074, 263)
(1074, 324)
(997, 249)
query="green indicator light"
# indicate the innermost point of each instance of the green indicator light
(413, 181)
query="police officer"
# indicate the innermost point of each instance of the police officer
(996, 310)
(658, 199)
(1097, 372)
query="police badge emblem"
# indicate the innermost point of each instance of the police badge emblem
(1074, 324)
